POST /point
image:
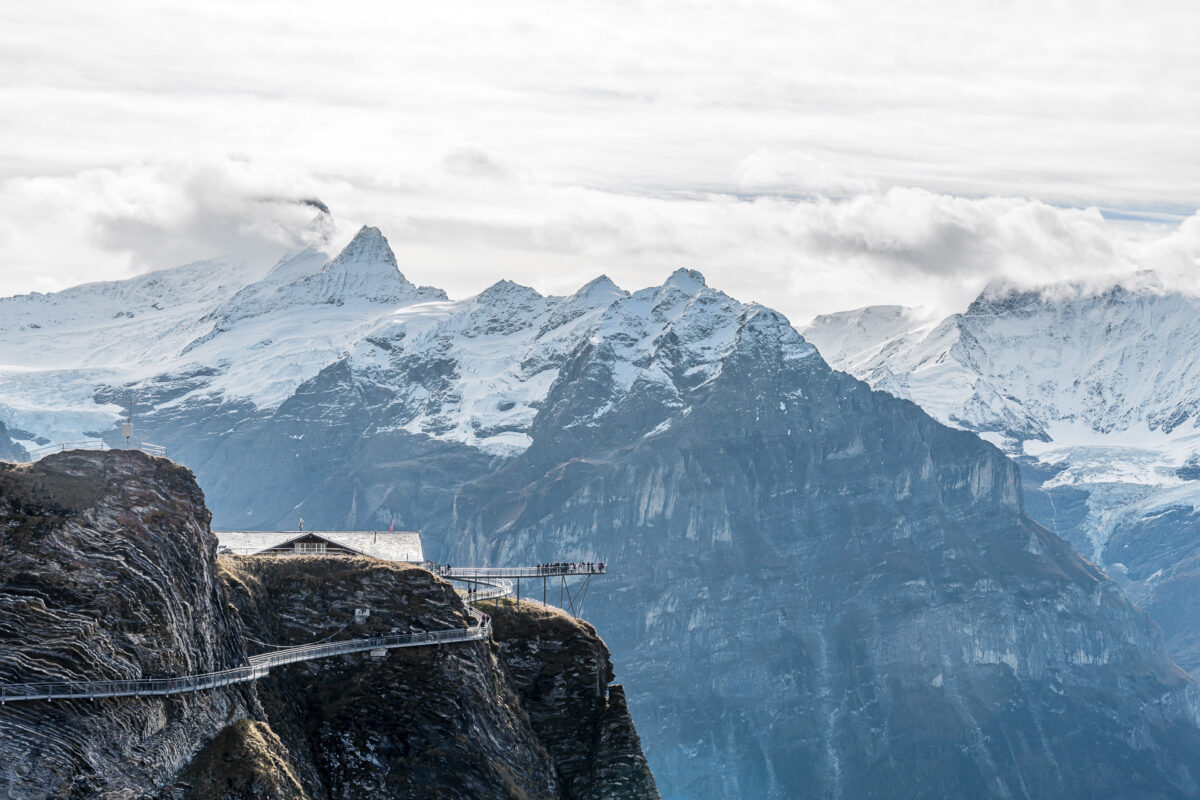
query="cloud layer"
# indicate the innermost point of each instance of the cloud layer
(814, 156)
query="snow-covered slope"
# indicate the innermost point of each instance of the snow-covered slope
(473, 371)
(1064, 365)
(1096, 390)
(254, 334)
(476, 371)
(1107, 382)
(56, 348)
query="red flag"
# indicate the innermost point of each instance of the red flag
(391, 525)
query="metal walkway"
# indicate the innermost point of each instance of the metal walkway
(495, 583)
(259, 665)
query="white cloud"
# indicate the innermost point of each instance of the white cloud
(810, 155)
(795, 172)
(109, 223)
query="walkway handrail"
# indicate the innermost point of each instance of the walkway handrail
(258, 667)
(495, 579)
(93, 444)
(542, 571)
(52, 690)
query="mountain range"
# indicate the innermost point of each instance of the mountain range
(1094, 389)
(815, 586)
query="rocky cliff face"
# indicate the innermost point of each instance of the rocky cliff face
(562, 672)
(110, 571)
(451, 722)
(447, 722)
(818, 589)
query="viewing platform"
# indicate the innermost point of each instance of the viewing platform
(551, 570)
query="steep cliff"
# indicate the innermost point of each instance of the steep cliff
(427, 722)
(562, 671)
(110, 571)
(459, 721)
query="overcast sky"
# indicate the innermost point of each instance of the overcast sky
(812, 156)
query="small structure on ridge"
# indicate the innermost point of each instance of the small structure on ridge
(388, 545)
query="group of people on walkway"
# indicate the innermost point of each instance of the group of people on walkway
(548, 568)
(558, 567)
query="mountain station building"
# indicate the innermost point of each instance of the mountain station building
(388, 545)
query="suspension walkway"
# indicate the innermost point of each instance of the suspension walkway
(259, 666)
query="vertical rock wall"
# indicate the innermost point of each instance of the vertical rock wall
(107, 572)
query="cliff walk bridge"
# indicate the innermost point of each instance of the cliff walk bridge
(568, 600)
(485, 584)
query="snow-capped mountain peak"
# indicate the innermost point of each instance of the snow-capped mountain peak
(599, 286)
(369, 247)
(1097, 383)
(474, 371)
(365, 271)
(688, 281)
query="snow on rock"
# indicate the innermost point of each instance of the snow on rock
(473, 371)
(255, 334)
(1063, 374)
(1100, 385)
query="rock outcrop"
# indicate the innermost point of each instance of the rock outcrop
(110, 571)
(438, 722)
(562, 672)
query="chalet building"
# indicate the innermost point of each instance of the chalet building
(388, 545)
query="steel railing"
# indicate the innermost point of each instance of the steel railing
(66, 690)
(543, 571)
(258, 667)
(495, 580)
(93, 444)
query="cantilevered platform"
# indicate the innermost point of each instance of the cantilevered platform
(569, 599)
(554, 570)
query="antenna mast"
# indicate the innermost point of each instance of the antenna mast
(127, 425)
